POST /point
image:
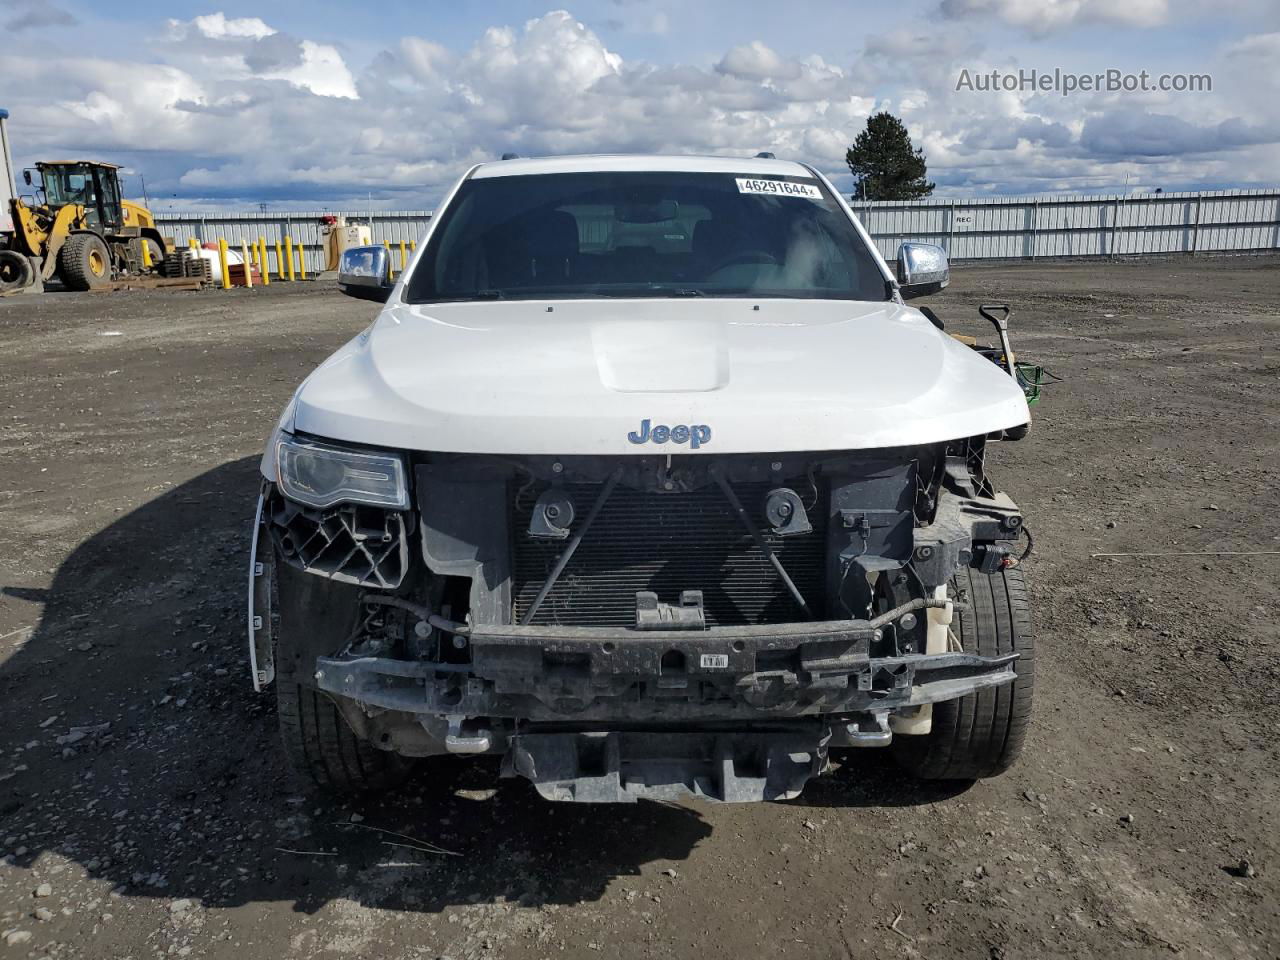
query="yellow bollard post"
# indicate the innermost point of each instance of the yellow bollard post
(248, 265)
(413, 245)
(222, 257)
(146, 254)
(288, 255)
(404, 256)
(266, 261)
(391, 272)
(279, 261)
(302, 262)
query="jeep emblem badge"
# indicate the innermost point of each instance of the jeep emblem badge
(696, 435)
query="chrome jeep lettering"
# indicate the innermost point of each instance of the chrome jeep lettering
(696, 435)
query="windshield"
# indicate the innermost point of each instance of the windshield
(65, 185)
(553, 236)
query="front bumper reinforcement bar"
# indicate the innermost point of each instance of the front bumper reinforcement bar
(736, 673)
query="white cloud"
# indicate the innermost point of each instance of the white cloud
(234, 108)
(322, 72)
(1265, 46)
(426, 60)
(216, 26)
(248, 48)
(755, 61)
(1043, 16)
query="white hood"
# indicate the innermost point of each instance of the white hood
(577, 377)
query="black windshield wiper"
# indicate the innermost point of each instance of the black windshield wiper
(486, 295)
(647, 290)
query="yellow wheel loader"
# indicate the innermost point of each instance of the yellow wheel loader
(80, 230)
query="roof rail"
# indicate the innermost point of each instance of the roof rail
(765, 155)
(511, 156)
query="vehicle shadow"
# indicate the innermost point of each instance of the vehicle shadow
(137, 749)
(871, 778)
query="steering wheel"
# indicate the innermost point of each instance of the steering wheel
(746, 256)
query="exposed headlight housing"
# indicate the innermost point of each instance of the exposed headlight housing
(320, 475)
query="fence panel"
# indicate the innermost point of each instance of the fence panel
(973, 229)
(1080, 226)
(304, 228)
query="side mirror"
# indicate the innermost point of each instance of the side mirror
(26, 177)
(923, 268)
(364, 272)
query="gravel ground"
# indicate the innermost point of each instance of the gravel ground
(145, 810)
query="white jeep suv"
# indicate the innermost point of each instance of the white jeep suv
(646, 481)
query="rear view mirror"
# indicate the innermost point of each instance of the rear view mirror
(26, 177)
(364, 272)
(923, 268)
(661, 211)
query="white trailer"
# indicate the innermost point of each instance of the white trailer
(8, 186)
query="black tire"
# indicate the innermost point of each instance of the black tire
(321, 746)
(981, 735)
(84, 262)
(15, 271)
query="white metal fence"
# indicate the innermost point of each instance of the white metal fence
(1095, 226)
(238, 227)
(997, 228)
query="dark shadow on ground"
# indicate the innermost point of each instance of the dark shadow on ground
(160, 771)
(870, 778)
(138, 749)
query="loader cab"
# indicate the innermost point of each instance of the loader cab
(95, 186)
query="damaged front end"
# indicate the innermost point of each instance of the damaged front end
(643, 626)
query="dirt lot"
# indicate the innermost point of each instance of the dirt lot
(145, 810)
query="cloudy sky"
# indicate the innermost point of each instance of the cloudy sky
(322, 103)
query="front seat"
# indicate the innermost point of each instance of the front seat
(553, 247)
(713, 241)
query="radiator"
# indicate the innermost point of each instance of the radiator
(667, 543)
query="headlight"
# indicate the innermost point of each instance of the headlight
(321, 476)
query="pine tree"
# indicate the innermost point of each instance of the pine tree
(884, 163)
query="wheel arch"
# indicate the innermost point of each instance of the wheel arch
(151, 233)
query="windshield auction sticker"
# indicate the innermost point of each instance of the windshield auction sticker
(779, 188)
